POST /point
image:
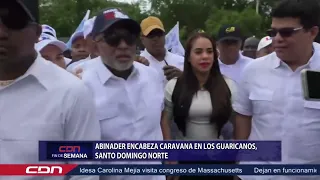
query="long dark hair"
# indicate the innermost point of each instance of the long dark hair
(216, 85)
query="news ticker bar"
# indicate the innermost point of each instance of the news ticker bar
(160, 151)
(177, 170)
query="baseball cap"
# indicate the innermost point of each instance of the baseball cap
(251, 41)
(151, 23)
(18, 14)
(264, 42)
(46, 40)
(87, 27)
(229, 32)
(76, 35)
(46, 29)
(110, 16)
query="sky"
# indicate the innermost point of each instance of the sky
(127, 1)
(132, 1)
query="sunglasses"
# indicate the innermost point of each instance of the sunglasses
(114, 38)
(284, 32)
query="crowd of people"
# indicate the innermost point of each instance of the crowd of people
(105, 91)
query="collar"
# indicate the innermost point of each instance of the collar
(153, 58)
(105, 74)
(38, 70)
(312, 63)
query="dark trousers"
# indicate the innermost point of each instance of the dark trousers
(206, 177)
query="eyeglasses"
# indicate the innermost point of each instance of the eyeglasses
(284, 32)
(114, 38)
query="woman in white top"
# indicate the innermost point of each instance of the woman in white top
(200, 100)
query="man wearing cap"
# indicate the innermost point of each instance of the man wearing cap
(90, 46)
(52, 50)
(126, 92)
(46, 29)
(231, 61)
(49, 31)
(265, 47)
(78, 49)
(167, 64)
(250, 47)
(39, 101)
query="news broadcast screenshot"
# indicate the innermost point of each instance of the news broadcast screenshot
(159, 90)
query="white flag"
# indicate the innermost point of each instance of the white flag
(173, 41)
(80, 27)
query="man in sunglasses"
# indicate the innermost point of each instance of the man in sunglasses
(128, 104)
(270, 102)
(167, 64)
(39, 100)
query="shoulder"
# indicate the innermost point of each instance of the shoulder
(146, 71)
(176, 60)
(90, 69)
(175, 57)
(61, 80)
(257, 65)
(170, 85)
(229, 82)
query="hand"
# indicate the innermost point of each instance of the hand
(78, 72)
(172, 177)
(171, 72)
(142, 60)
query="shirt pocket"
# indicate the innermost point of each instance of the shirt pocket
(108, 112)
(110, 123)
(311, 113)
(261, 101)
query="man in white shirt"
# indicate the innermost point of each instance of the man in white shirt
(167, 64)
(270, 103)
(231, 61)
(127, 102)
(51, 49)
(38, 100)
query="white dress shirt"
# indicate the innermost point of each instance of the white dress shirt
(271, 93)
(127, 109)
(85, 64)
(170, 59)
(46, 103)
(233, 71)
(71, 68)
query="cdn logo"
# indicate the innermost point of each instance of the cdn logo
(44, 170)
(69, 149)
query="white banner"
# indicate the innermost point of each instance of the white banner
(173, 41)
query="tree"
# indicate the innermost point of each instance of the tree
(248, 20)
(65, 15)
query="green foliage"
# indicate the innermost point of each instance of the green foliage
(65, 15)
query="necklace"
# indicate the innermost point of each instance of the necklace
(6, 83)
